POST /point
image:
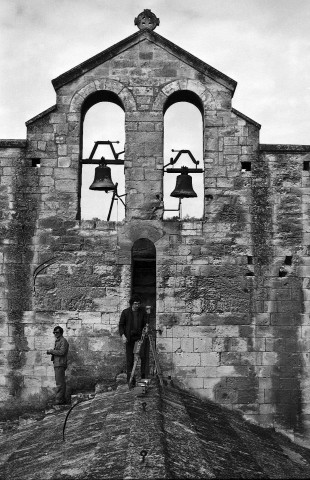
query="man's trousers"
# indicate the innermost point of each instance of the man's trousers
(60, 378)
(144, 355)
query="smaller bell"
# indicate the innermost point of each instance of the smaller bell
(184, 186)
(103, 181)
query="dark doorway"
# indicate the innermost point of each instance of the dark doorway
(144, 274)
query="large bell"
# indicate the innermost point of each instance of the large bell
(103, 180)
(184, 187)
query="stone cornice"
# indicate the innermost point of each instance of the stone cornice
(13, 143)
(283, 148)
(41, 115)
(248, 119)
(130, 41)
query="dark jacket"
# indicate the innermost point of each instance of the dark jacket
(60, 352)
(126, 324)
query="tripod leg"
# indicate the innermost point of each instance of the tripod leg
(153, 349)
(133, 369)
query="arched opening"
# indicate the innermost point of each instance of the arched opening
(103, 119)
(183, 130)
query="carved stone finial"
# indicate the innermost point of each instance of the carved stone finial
(146, 20)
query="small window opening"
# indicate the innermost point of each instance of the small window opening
(250, 274)
(246, 166)
(36, 162)
(306, 166)
(288, 260)
(250, 260)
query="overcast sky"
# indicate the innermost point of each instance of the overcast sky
(262, 44)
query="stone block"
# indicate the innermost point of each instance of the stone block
(195, 383)
(65, 186)
(186, 359)
(262, 331)
(187, 344)
(203, 344)
(181, 331)
(73, 324)
(210, 359)
(89, 317)
(229, 371)
(64, 162)
(238, 344)
(270, 358)
(211, 145)
(165, 344)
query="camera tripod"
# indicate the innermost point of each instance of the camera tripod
(137, 348)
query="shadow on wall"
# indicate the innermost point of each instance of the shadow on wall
(87, 367)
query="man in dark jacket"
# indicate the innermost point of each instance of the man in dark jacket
(131, 324)
(59, 358)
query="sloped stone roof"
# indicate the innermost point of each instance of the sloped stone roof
(182, 436)
(132, 40)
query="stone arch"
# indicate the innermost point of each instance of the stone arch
(143, 247)
(149, 230)
(194, 86)
(96, 92)
(186, 93)
(117, 88)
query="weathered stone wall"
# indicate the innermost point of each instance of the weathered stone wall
(231, 289)
(19, 200)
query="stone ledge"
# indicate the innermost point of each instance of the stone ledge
(283, 148)
(244, 117)
(13, 143)
(41, 115)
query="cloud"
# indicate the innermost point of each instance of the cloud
(262, 44)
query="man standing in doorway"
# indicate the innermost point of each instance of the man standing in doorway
(59, 358)
(131, 324)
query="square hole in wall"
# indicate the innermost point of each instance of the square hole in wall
(36, 162)
(246, 166)
(250, 260)
(288, 260)
(306, 166)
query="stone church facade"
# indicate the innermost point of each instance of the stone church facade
(229, 292)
